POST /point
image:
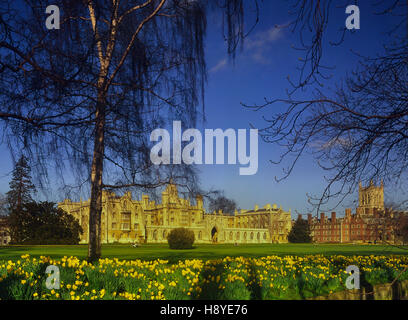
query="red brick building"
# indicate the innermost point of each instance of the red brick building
(370, 223)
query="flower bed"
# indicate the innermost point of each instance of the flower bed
(272, 277)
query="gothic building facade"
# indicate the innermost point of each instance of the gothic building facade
(127, 220)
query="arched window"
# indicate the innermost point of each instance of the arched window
(231, 235)
(155, 234)
(237, 236)
(245, 235)
(200, 234)
(252, 236)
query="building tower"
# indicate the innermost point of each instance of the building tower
(371, 197)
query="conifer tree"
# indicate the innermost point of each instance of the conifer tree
(21, 187)
(300, 232)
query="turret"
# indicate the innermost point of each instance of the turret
(199, 201)
(371, 196)
(145, 201)
(165, 198)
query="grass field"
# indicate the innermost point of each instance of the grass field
(205, 252)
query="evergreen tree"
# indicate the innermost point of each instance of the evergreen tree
(43, 223)
(300, 232)
(21, 187)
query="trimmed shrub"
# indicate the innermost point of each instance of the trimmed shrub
(180, 238)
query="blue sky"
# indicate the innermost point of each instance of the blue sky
(259, 71)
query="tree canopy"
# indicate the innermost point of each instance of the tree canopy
(222, 203)
(43, 223)
(300, 232)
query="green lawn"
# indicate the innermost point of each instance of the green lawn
(153, 251)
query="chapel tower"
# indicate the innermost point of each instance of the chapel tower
(371, 197)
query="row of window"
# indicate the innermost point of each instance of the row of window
(345, 232)
(124, 226)
(155, 235)
(331, 239)
(251, 236)
(330, 227)
(329, 232)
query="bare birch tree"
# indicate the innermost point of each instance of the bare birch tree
(89, 93)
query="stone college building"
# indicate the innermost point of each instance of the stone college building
(127, 220)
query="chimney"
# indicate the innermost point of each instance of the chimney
(309, 218)
(348, 213)
(333, 217)
(322, 217)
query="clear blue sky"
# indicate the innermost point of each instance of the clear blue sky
(260, 71)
